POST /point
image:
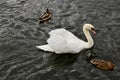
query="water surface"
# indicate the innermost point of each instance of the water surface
(20, 33)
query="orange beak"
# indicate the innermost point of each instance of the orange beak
(93, 31)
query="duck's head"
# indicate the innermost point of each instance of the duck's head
(47, 11)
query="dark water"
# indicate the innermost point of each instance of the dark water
(20, 33)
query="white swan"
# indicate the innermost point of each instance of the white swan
(63, 41)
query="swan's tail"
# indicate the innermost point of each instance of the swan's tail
(45, 48)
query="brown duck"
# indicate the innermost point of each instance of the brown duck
(102, 64)
(45, 16)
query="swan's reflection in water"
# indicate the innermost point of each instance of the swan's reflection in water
(66, 60)
(63, 60)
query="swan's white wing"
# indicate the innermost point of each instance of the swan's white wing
(58, 31)
(58, 40)
(76, 45)
(45, 48)
(58, 43)
(65, 33)
(64, 41)
(61, 45)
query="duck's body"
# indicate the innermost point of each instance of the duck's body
(45, 16)
(103, 64)
(63, 41)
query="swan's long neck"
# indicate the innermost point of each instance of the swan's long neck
(90, 42)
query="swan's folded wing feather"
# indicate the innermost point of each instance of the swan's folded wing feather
(57, 31)
(76, 46)
(58, 43)
(45, 48)
(64, 41)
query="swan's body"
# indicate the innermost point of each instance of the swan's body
(63, 41)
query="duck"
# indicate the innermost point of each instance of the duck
(63, 41)
(103, 64)
(45, 16)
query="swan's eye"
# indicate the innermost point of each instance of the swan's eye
(93, 29)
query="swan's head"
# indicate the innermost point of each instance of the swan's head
(89, 27)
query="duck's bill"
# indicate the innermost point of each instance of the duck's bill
(93, 31)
